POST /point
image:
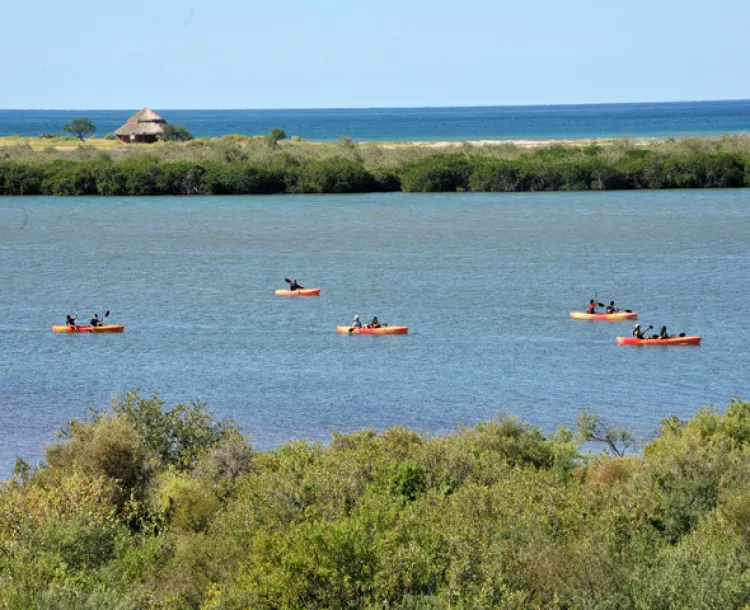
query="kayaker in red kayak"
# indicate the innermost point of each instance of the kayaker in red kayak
(663, 333)
(637, 333)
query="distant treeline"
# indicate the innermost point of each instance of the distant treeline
(554, 168)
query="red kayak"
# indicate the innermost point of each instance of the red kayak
(670, 341)
(106, 328)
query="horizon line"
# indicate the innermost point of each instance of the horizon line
(551, 105)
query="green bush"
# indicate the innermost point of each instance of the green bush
(176, 133)
(147, 506)
(179, 436)
(334, 176)
(408, 481)
(436, 174)
(241, 165)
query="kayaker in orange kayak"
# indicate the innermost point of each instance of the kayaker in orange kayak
(293, 285)
(592, 306)
(663, 333)
(611, 308)
(641, 334)
(356, 323)
(95, 321)
(70, 321)
(375, 323)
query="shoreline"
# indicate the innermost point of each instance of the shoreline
(63, 143)
(521, 143)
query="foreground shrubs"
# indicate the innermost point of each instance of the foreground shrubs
(548, 169)
(142, 506)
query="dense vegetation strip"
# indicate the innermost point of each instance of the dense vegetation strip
(141, 506)
(237, 165)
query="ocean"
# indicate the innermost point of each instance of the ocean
(424, 124)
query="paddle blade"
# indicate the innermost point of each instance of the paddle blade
(601, 305)
(351, 330)
(287, 280)
(628, 311)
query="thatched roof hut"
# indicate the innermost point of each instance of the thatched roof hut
(144, 126)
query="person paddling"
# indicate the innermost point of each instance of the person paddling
(356, 323)
(95, 321)
(70, 321)
(293, 285)
(637, 332)
(611, 308)
(592, 306)
(663, 333)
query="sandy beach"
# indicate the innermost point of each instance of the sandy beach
(519, 143)
(68, 144)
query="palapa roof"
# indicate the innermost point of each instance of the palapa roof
(145, 122)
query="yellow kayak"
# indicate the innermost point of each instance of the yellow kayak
(302, 292)
(620, 315)
(383, 330)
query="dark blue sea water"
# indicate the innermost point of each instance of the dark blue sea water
(484, 281)
(424, 124)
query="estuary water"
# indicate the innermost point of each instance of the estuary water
(484, 282)
(425, 124)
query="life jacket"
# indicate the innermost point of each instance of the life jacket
(592, 308)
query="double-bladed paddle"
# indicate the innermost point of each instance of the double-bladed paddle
(650, 326)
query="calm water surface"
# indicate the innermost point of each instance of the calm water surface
(485, 283)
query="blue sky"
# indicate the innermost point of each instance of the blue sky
(343, 53)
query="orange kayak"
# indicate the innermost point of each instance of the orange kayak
(383, 330)
(670, 341)
(107, 328)
(613, 317)
(302, 292)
